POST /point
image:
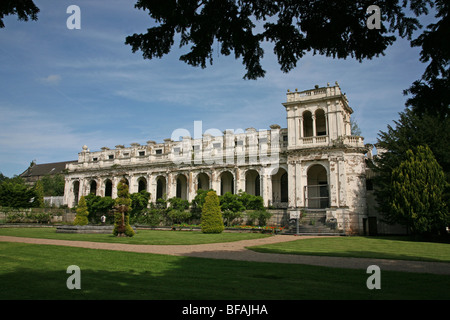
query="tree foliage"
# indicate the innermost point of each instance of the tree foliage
(410, 130)
(211, 216)
(24, 9)
(335, 29)
(16, 194)
(417, 186)
(38, 201)
(53, 185)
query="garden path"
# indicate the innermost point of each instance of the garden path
(237, 251)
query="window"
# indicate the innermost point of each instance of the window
(94, 159)
(141, 153)
(285, 138)
(158, 151)
(111, 156)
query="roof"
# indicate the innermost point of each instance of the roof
(46, 169)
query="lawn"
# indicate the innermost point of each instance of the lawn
(29, 271)
(397, 248)
(149, 237)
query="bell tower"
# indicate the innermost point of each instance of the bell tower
(326, 167)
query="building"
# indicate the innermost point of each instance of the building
(36, 172)
(314, 164)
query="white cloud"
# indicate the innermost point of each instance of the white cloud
(53, 79)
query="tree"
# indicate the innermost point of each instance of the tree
(98, 206)
(417, 187)
(211, 216)
(24, 9)
(38, 201)
(139, 202)
(14, 193)
(336, 29)
(81, 218)
(53, 185)
(409, 131)
(122, 214)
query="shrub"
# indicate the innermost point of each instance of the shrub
(178, 216)
(261, 215)
(211, 216)
(123, 208)
(81, 218)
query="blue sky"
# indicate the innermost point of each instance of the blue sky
(61, 89)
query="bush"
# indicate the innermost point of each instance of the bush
(81, 218)
(178, 216)
(258, 215)
(211, 216)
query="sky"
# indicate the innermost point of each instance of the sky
(63, 88)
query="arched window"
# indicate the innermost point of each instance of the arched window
(307, 124)
(226, 182)
(203, 181)
(108, 188)
(252, 182)
(280, 188)
(93, 188)
(182, 187)
(317, 187)
(142, 184)
(321, 124)
(160, 187)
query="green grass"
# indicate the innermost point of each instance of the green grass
(29, 271)
(153, 237)
(397, 248)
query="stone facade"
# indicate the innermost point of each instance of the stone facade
(314, 164)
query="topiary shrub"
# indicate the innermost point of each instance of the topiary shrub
(211, 220)
(122, 212)
(81, 218)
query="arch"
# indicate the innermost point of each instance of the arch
(182, 186)
(108, 188)
(321, 123)
(142, 184)
(76, 192)
(252, 182)
(307, 124)
(93, 187)
(317, 194)
(161, 187)
(226, 182)
(280, 191)
(203, 181)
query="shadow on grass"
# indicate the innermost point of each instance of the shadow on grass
(39, 272)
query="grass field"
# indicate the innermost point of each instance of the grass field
(29, 271)
(397, 248)
(155, 237)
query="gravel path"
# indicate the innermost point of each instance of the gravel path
(237, 251)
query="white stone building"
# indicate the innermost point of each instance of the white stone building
(313, 164)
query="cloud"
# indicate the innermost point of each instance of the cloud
(53, 79)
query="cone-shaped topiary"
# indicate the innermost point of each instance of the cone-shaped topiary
(212, 221)
(81, 218)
